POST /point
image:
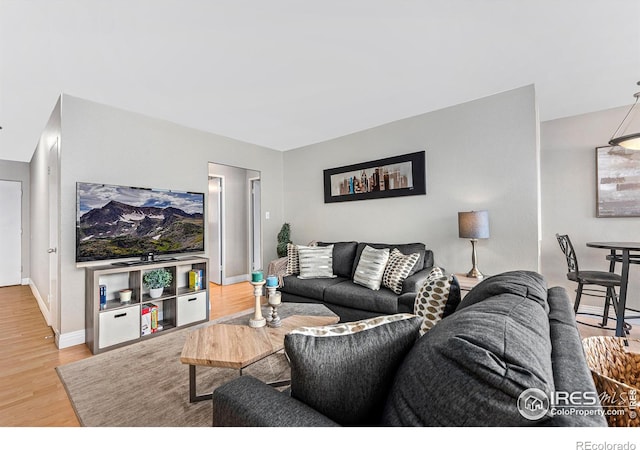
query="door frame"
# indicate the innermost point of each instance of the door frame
(220, 232)
(255, 227)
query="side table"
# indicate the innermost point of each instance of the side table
(466, 283)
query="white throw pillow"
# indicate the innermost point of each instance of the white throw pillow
(371, 267)
(315, 262)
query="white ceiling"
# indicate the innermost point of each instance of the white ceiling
(287, 73)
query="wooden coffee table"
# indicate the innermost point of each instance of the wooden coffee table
(236, 345)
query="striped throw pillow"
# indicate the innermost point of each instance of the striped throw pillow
(371, 267)
(315, 262)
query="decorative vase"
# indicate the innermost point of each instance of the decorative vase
(155, 292)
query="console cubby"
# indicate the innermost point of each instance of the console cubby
(122, 323)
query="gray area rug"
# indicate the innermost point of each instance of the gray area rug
(146, 385)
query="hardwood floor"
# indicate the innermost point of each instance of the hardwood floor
(31, 394)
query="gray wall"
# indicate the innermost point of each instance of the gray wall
(568, 165)
(39, 213)
(480, 155)
(19, 171)
(109, 145)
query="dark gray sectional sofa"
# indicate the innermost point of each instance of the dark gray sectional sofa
(476, 367)
(352, 301)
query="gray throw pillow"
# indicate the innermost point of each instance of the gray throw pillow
(345, 371)
(315, 262)
(371, 267)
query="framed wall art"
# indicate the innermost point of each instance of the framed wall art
(397, 176)
(617, 182)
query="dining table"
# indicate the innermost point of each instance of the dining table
(626, 253)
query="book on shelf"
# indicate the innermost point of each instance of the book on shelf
(196, 279)
(154, 318)
(149, 322)
(103, 296)
(145, 327)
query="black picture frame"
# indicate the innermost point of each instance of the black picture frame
(397, 176)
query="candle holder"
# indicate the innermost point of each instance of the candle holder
(257, 321)
(274, 300)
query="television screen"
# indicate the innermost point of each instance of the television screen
(114, 222)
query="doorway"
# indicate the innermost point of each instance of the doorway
(235, 239)
(11, 233)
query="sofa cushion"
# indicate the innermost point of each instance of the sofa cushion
(406, 249)
(351, 389)
(518, 282)
(438, 295)
(315, 262)
(313, 288)
(353, 295)
(398, 269)
(371, 267)
(491, 350)
(343, 255)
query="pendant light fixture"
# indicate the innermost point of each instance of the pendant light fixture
(629, 140)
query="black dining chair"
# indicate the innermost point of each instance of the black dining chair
(594, 283)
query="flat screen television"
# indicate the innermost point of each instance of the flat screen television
(118, 222)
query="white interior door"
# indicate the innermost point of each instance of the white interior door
(216, 229)
(256, 247)
(10, 233)
(54, 230)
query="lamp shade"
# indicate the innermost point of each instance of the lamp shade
(473, 224)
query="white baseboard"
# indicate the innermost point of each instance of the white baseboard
(41, 303)
(62, 341)
(70, 339)
(25, 281)
(236, 279)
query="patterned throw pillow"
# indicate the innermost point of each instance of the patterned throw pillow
(293, 262)
(351, 389)
(371, 267)
(435, 273)
(342, 329)
(398, 268)
(432, 298)
(315, 262)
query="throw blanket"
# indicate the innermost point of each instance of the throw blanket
(278, 268)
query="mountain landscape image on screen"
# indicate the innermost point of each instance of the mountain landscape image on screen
(135, 222)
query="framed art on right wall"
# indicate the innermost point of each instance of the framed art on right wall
(617, 182)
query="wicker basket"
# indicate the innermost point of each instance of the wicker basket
(616, 373)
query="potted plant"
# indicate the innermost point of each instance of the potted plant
(283, 239)
(156, 280)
